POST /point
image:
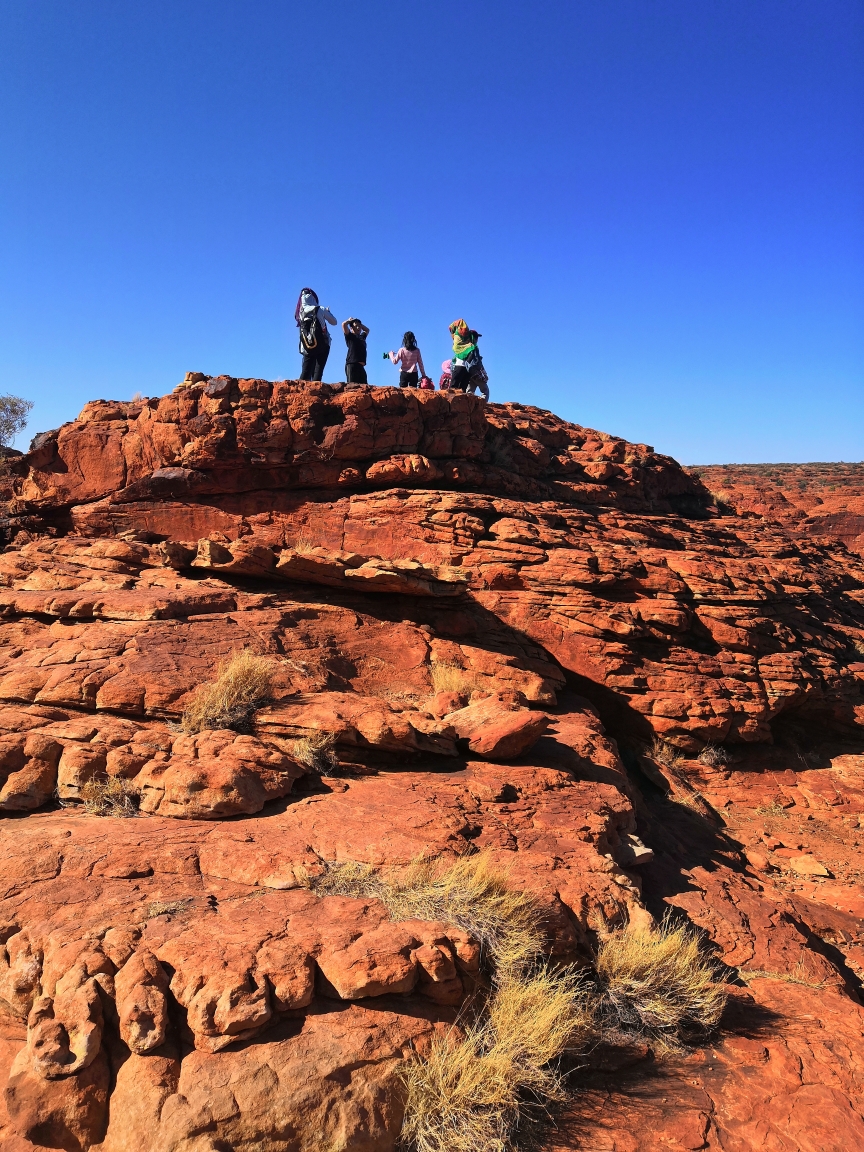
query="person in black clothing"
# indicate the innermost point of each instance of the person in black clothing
(355, 360)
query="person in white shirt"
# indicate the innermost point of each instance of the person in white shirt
(409, 360)
(312, 320)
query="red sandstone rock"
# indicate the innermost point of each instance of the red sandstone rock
(425, 573)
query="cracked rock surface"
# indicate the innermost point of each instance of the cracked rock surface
(509, 633)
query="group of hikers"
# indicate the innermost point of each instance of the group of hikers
(463, 372)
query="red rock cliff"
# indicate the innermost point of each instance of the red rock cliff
(491, 614)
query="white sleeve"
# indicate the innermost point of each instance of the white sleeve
(327, 314)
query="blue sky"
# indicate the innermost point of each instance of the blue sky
(652, 209)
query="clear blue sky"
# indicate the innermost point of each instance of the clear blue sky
(652, 209)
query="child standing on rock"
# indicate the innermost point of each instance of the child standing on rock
(409, 359)
(355, 358)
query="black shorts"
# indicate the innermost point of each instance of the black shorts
(409, 379)
(356, 374)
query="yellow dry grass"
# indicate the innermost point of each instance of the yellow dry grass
(111, 797)
(447, 676)
(473, 892)
(474, 1092)
(799, 975)
(243, 683)
(315, 752)
(165, 908)
(480, 1087)
(476, 1086)
(665, 753)
(713, 755)
(657, 980)
(303, 545)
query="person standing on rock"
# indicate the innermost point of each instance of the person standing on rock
(467, 371)
(312, 320)
(409, 359)
(355, 359)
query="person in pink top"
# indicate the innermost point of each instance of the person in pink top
(409, 360)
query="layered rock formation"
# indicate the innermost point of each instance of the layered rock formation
(486, 616)
(810, 499)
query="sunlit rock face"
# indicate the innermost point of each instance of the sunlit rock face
(500, 631)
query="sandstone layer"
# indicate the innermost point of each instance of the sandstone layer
(811, 499)
(510, 633)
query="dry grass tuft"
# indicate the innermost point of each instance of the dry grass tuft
(487, 1082)
(657, 981)
(775, 808)
(303, 545)
(665, 753)
(475, 1088)
(858, 645)
(447, 676)
(316, 752)
(111, 797)
(243, 684)
(165, 907)
(713, 756)
(475, 1092)
(472, 892)
(798, 975)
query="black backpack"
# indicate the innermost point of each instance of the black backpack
(309, 332)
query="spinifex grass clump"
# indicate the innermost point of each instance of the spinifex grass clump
(472, 892)
(713, 756)
(480, 1087)
(111, 797)
(316, 752)
(476, 1086)
(474, 1092)
(243, 684)
(657, 982)
(665, 753)
(447, 676)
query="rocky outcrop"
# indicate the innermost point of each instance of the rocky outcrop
(488, 629)
(824, 500)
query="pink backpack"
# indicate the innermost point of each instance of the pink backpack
(426, 383)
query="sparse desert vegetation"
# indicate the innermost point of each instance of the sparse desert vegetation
(480, 1085)
(111, 797)
(657, 982)
(713, 756)
(448, 676)
(316, 752)
(665, 753)
(243, 684)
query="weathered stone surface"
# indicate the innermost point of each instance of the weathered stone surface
(809, 499)
(462, 605)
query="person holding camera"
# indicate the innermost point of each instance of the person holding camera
(355, 358)
(409, 359)
(312, 320)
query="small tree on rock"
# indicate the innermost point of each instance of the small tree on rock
(13, 417)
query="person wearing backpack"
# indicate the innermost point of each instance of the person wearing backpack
(409, 359)
(312, 320)
(467, 372)
(355, 358)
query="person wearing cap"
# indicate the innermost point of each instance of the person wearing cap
(355, 358)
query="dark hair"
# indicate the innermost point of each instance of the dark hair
(409, 342)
